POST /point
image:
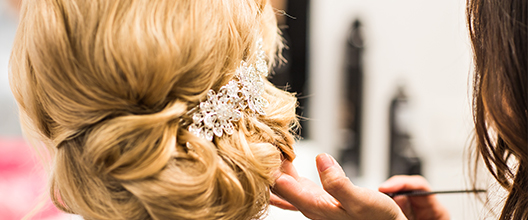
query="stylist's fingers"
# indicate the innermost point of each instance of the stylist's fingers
(404, 183)
(281, 203)
(308, 198)
(408, 183)
(288, 188)
(334, 180)
(405, 206)
(294, 192)
(423, 207)
(288, 168)
(359, 203)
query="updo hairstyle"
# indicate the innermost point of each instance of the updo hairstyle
(106, 86)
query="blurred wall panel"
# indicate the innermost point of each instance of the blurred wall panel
(420, 44)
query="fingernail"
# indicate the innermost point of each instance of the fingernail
(325, 162)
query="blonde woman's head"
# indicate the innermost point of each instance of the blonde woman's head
(105, 85)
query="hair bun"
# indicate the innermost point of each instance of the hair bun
(134, 146)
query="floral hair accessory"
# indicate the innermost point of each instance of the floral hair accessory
(215, 116)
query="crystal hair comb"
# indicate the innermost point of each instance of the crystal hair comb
(216, 114)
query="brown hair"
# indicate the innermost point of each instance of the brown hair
(105, 86)
(499, 34)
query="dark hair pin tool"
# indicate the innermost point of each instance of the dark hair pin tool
(426, 193)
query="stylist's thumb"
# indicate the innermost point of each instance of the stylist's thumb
(334, 179)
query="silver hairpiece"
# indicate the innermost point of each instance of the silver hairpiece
(217, 114)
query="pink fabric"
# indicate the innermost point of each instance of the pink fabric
(22, 182)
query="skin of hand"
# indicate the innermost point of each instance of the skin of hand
(340, 199)
(415, 207)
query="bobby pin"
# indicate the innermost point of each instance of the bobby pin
(426, 193)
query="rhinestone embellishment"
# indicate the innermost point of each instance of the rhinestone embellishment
(215, 116)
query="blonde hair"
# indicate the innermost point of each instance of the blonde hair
(105, 86)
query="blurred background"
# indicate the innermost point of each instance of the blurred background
(386, 90)
(383, 86)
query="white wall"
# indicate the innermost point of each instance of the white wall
(422, 45)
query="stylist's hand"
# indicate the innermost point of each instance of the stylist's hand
(340, 199)
(415, 207)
